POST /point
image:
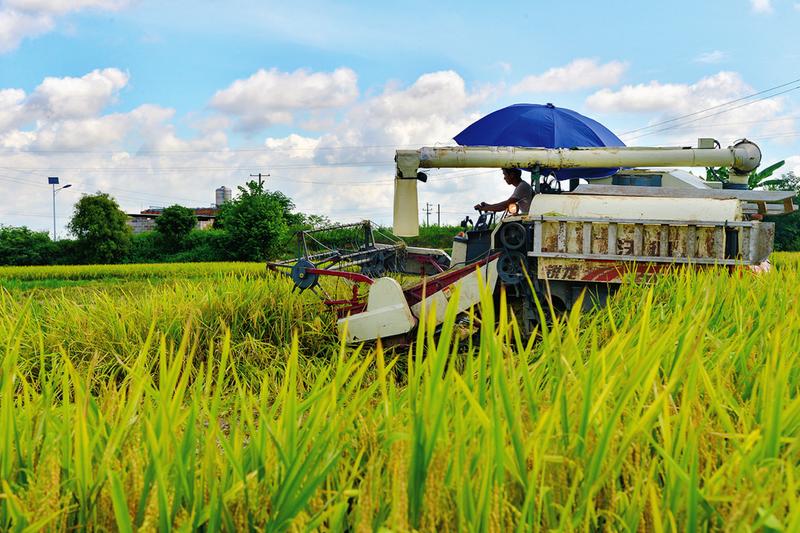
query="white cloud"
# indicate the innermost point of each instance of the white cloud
(430, 111)
(665, 101)
(69, 97)
(792, 164)
(57, 99)
(20, 19)
(672, 97)
(578, 74)
(272, 97)
(344, 171)
(714, 56)
(653, 96)
(59, 7)
(761, 6)
(12, 107)
(295, 145)
(15, 26)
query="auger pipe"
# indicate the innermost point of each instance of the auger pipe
(743, 157)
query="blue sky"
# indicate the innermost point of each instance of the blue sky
(151, 100)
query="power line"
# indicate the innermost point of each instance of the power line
(219, 151)
(712, 108)
(679, 126)
(206, 168)
(260, 180)
(740, 122)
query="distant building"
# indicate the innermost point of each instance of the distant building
(146, 219)
(222, 195)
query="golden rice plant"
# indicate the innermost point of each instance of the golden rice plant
(220, 403)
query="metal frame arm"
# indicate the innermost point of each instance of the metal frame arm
(742, 157)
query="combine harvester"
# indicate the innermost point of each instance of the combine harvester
(586, 240)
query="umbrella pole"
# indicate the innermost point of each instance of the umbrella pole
(536, 180)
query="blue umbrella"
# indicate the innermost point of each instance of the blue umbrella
(542, 126)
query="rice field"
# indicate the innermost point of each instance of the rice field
(182, 397)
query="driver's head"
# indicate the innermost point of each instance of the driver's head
(512, 175)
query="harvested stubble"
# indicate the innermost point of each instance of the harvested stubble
(675, 408)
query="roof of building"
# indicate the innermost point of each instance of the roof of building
(156, 215)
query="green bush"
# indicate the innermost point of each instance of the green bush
(257, 222)
(198, 246)
(204, 246)
(174, 225)
(23, 246)
(434, 237)
(145, 248)
(787, 232)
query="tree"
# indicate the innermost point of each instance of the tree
(756, 178)
(174, 224)
(787, 227)
(23, 246)
(101, 230)
(256, 222)
(787, 182)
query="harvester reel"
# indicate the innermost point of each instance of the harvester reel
(376, 266)
(510, 267)
(513, 236)
(302, 279)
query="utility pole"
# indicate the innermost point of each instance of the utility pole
(259, 176)
(438, 214)
(428, 210)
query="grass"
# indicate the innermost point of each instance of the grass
(128, 271)
(226, 401)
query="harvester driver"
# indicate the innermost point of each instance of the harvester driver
(521, 197)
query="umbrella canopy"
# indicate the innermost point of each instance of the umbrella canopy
(542, 126)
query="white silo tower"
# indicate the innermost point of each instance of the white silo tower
(222, 195)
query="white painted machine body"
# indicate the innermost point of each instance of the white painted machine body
(469, 293)
(635, 207)
(388, 313)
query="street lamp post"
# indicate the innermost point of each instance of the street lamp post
(53, 180)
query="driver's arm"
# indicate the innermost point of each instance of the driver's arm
(498, 207)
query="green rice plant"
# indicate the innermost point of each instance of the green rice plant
(128, 271)
(222, 402)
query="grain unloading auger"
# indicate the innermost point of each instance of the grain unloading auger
(584, 241)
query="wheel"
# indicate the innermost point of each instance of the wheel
(510, 267)
(304, 280)
(513, 236)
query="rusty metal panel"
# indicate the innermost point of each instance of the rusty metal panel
(744, 237)
(691, 241)
(612, 238)
(638, 239)
(593, 271)
(586, 238)
(648, 240)
(537, 237)
(562, 237)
